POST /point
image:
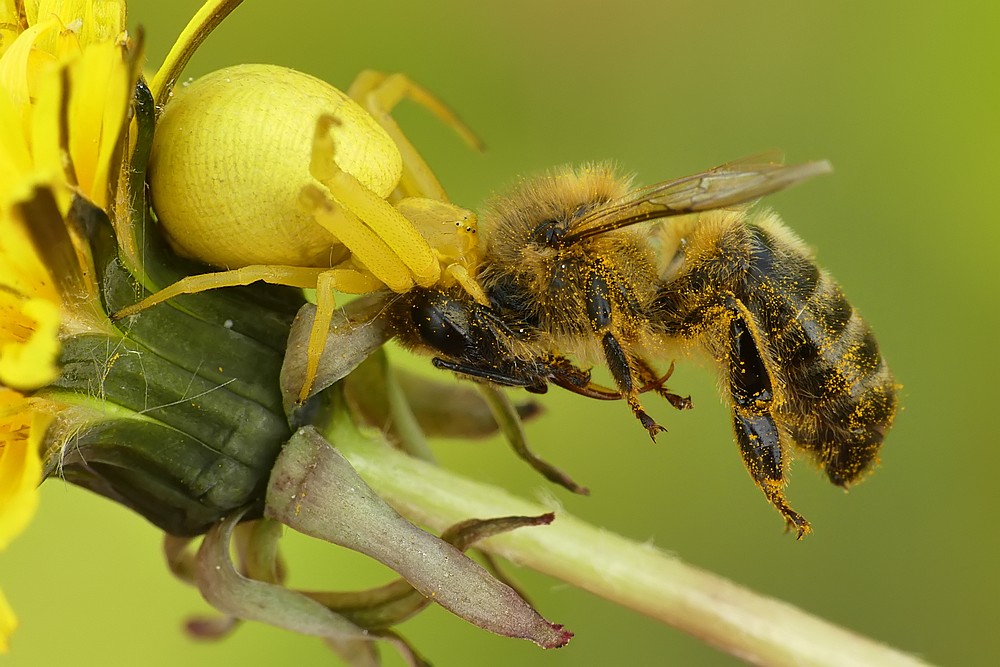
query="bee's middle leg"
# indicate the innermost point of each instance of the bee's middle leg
(599, 311)
(653, 382)
(621, 371)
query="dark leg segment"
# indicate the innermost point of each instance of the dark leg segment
(622, 373)
(653, 382)
(599, 310)
(757, 434)
(506, 378)
(760, 446)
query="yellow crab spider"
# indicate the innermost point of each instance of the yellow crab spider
(279, 177)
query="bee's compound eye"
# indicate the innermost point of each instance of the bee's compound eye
(443, 326)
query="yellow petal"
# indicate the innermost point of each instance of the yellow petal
(98, 102)
(15, 157)
(22, 272)
(15, 326)
(31, 363)
(11, 24)
(8, 622)
(31, 11)
(47, 139)
(8, 13)
(82, 22)
(21, 433)
(21, 61)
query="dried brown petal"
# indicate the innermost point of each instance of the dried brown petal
(395, 602)
(261, 558)
(180, 559)
(211, 628)
(235, 595)
(357, 330)
(315, 490)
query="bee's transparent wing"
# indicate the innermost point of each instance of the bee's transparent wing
(730, 184)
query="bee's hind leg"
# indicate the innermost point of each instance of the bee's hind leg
(760, 446)
(756, 432)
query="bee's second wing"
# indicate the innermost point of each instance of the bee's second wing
(730, 184)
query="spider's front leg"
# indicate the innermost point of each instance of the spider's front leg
(421, 241)
(410, 243)
(347, 281)
(379, 237)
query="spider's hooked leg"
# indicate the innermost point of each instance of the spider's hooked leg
(377, 234)
(379, 93)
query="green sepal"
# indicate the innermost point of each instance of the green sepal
(179, 483)
(181, 447)
(134, 378)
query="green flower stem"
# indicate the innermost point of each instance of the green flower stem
(412, 436)
(753, 627)
(198, 28)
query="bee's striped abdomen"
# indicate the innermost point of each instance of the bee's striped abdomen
(837, 394)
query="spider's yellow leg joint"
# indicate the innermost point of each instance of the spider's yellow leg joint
(365, 245)
(341, 280)
(376, 213)
(379, 94)
(291, 276)
(460, 274)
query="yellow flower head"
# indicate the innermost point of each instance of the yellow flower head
(64, 91)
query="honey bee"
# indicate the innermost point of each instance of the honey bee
(579, 267)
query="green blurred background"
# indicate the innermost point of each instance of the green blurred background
(903, 98)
